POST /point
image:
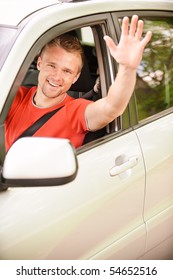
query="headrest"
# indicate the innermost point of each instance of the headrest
(84, 82)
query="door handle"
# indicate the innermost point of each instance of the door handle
(123, 165)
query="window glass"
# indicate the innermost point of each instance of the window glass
(154, 87)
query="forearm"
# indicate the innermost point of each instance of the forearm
(103, 111)
(120, 91)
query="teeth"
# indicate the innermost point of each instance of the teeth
(52, 84)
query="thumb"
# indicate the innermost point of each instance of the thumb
(146, 39)
(110, 44)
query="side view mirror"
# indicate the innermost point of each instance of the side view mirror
(37, 161)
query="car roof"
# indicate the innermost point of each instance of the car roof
(12, 12)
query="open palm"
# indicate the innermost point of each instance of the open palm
(130, 49)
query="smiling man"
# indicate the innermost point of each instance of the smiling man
(60, 63)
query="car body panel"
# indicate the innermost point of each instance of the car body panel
(159, 192)
(78, 227)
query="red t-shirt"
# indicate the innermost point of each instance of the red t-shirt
(69, 122)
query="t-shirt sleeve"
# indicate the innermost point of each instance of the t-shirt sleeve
(75, 113)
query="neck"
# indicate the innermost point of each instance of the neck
(46, 102)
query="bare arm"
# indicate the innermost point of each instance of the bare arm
(128, 53)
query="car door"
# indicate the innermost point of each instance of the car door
(100, 214)
(155, 120)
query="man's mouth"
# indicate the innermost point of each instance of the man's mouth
(52, 84)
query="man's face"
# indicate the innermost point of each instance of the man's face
(59, 69)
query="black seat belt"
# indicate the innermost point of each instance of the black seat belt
(39, 123)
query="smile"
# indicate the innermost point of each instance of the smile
(52, 84)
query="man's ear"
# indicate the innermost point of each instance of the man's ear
(76, 78)
(38, 63)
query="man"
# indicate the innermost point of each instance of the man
(59, 64)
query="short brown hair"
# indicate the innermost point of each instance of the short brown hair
(67, 42)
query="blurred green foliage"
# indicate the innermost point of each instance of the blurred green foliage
(154, 87)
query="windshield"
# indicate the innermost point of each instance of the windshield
(7, 35)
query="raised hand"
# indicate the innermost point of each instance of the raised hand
(130, 49)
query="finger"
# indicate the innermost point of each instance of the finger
(146, 39)
(139, 29)
(110, 44)
(133, 25)
(125, 26)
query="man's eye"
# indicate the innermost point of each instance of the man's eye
(67, 71)
(51, 65)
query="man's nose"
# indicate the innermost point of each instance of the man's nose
(58, 72)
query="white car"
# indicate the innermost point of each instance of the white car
(112, 198)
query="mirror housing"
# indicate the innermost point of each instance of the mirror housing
(37, 161)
